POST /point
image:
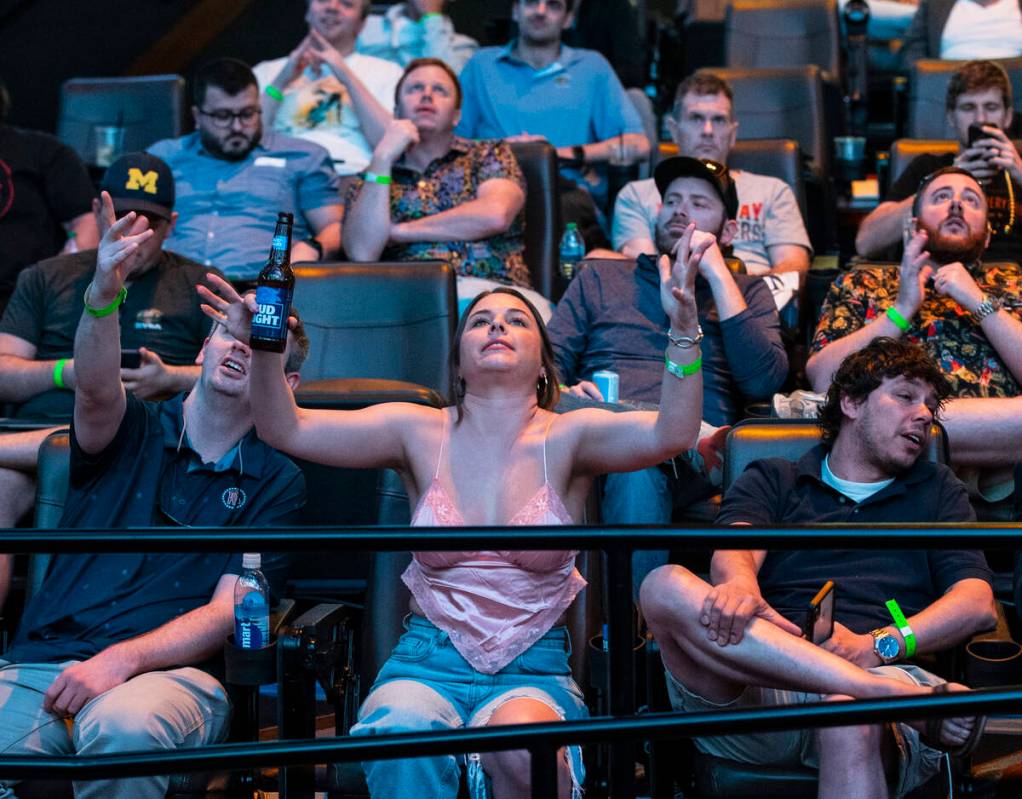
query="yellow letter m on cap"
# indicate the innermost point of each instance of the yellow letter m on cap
(146, 182)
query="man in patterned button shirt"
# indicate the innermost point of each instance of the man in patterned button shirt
(964, 313)
(447, 198)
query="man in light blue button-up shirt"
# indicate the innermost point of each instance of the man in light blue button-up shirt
(232, 179)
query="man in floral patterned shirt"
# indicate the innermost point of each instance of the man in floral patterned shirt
(431, 195)
(965, 314)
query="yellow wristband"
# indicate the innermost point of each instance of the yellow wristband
(58, 373)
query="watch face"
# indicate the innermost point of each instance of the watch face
(887, 647)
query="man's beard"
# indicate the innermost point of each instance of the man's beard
(665, 240)
(946, 249)
(213, 146)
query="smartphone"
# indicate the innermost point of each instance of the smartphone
(131, 359)
(819, 624)
(976, 132)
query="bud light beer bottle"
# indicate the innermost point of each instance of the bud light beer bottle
(274, 291)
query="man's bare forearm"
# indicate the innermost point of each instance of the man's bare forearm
(22, 378)
(732, 565)
(882, 228)
(966, 609)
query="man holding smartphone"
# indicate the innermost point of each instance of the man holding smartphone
(979, 110)
(739, 642)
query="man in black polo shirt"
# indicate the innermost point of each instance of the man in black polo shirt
(160, 318)
(738, 641)
(113, 641)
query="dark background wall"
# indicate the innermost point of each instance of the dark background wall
(45, 42)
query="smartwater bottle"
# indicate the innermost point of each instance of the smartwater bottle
(251, 605)
(572, 250)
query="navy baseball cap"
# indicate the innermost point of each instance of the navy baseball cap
(140, 182)
(717, 175)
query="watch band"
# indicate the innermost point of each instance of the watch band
(990, 305)
(578, 155)
(317, 245)
(902, 624)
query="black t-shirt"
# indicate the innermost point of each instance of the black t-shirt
(1002, 247)
(775, 491)
(42, 184)
(143, 478)
(161, 313)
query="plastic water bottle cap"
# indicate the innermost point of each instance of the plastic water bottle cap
(251, 560)
(571, 226)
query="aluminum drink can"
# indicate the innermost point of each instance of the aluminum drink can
(608, 383)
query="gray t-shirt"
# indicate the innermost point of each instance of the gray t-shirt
(768, 214)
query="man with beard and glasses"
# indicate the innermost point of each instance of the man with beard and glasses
(233, 178)
(736, 641)
(114, 651)
(964, 314)
(610, 318)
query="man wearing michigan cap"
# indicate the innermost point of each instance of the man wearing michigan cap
(162, 326)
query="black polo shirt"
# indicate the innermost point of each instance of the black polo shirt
(775, 491)
(149, 476)
(161, 313)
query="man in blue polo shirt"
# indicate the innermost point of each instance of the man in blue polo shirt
(115, 642)
(536, 87)
(736, 642)
(233, 177)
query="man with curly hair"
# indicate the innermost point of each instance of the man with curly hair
(736, 641)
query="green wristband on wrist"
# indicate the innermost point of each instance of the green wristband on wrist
(900, 321)
(58, 373)
(99, 313)
(902, 624)
(274, 92)
(424, 17)
(383, 180)
(683, 370)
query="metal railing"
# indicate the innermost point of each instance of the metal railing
(620, 729)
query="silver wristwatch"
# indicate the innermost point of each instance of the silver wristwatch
(685, 342)
(988, 306)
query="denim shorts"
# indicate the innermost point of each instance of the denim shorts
(917, 762)
(427, 684)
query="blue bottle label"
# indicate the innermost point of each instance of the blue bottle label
(270, 321)
(279, 243)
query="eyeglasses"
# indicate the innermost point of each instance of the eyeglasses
(223, 118)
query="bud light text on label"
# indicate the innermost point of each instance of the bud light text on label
(269, 320)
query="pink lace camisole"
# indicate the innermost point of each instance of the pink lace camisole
(493, 604)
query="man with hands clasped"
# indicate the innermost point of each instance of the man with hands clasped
(736, 641)
(118, 642)
(966, 315)
(326, 92)
(415, 29)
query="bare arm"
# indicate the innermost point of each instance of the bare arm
(292, 69)
(99, 394)
(965, 609)
(86, 233)
(6, 568)
(633, 248)
(190, 638)
(367, 223)
(628, 441)
(498, 203)
(788, 258)
(326, 227)
(735, 599)
(632, 147)
(883, 227)
(21, 376)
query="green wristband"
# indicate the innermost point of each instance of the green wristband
(383, 180)
(58, 373)
(681, 371)
(274, 92)
(424, 17)
(99, 313)
(902, 624)
(899, 320)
